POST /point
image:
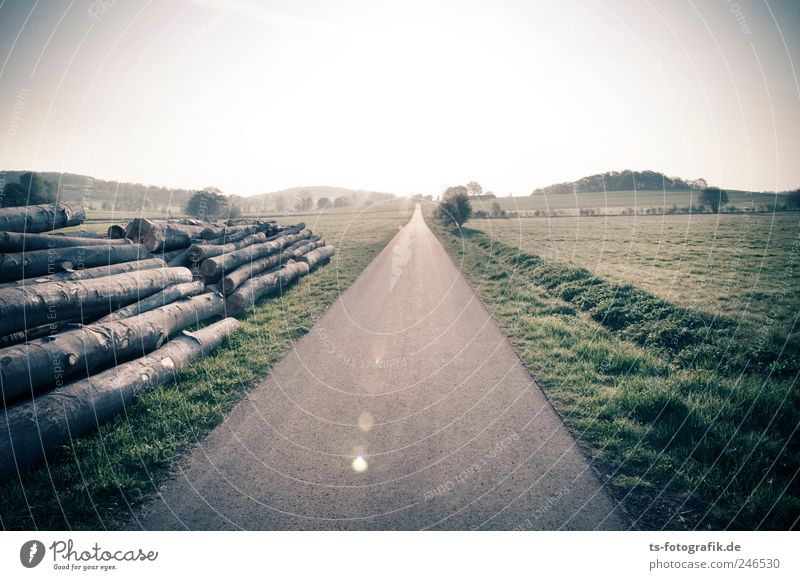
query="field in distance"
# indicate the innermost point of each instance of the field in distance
(613, 202)
(735, 265)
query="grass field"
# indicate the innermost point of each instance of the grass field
(93, 483)
(735, 265)
(614, 202)
(99, 220)
(691, 417)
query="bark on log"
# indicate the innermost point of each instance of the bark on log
(16, 242)
(116, 231)
(250, 292)
(222, 231)
(166, 296)
(19, 265)
(38, 332)
(238, 236)
(295, 229)
(200, 252)
(40, 218)
(46, 363)
(89, 234)
(318, 256)
(31, 430)
(29, 306)
(179, 259)
(90, 273)
(248, 221)
(232, 280)
(220, 265)
(162, 236)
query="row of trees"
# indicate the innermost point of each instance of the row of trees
(30, 190)
(455, 207)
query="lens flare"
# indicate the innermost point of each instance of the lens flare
(360, 464)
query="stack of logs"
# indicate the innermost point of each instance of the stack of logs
(87, 322)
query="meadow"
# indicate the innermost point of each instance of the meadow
(96, 481)
(734, 265)
(667, 344)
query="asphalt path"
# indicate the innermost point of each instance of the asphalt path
(405, 407)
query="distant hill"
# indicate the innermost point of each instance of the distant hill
(626, 180)
(100, 194)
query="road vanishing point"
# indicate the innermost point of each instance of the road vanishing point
(404, 408)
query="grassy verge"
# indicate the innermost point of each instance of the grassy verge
(691, 432)
(94, 482)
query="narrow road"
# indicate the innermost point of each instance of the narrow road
(405, 407)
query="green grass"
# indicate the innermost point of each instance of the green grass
(735, 265)
(93, 483)
(684, 441)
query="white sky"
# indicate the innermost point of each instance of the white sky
(401, 96)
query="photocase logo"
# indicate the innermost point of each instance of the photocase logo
(31, 553)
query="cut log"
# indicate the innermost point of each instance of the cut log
(220, 265)
(249, 221)
(200, 252)
(31, 430)
(116, 231)
(19, 265)
(319, 256)
(223, 231)
(162, 236)
(47, 363)
(90, 273)
(38, 332)
(88, 234)
(232, 280)
(40, 218)
(179, 259)
(250, 292)
(16, 242)
(29, 306)
(278, 232)
(166, 296)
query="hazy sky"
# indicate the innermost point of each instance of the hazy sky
(402, 96)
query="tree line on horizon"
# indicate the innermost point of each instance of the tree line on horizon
(625, 180)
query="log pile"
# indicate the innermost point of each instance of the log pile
(89, 321)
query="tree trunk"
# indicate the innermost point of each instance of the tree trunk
(30, 306)
(116, 231)
(179, 259)
(40, 218)
(162, 236)
(31, 430)
(232, 280)
(220, 265)
(21, 265)
(200, 252)
(250, 292)
(38, 332)
(166, 296)
(318, 256)
(28, 369)
(15, 242)
(295, 229)
(88, 234)
(90, 273)
(223, 231)
(249, 221)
